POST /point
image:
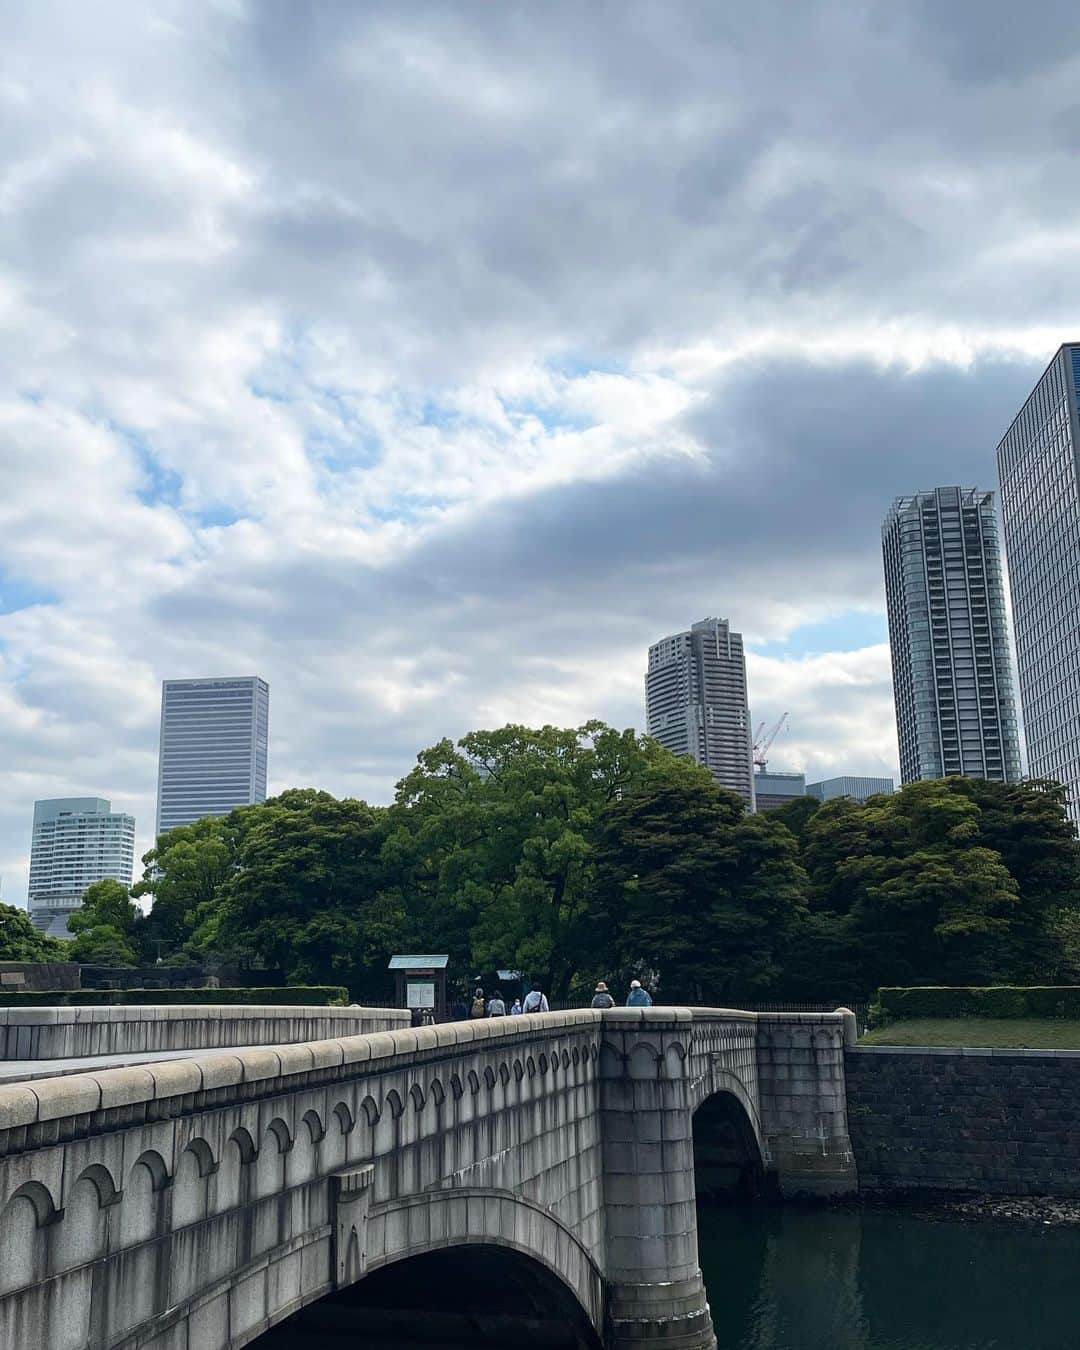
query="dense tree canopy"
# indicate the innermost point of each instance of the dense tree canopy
(494, 840)
(691, 889)
(579, 853)
(105, 927)
(20, 940)
(308, 893)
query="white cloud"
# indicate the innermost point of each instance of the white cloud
(432, 367)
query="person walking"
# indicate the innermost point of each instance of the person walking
(515, 1008)
(479, 1007)
(638, 997)
(602, 998)
(535, 1000)
(460, 1011)
(496, 1007)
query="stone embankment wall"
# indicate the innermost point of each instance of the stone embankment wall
(68, 1033)
(1001, 1122)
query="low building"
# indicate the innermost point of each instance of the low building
(777, 789)
(848, 786)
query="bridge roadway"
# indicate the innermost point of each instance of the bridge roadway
(196, 1203)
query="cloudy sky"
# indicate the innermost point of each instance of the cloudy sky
(432, 359)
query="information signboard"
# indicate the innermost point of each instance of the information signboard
(420, 994)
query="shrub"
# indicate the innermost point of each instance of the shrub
(996, 1001)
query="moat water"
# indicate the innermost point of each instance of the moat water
(778, 1278)
(887, 1279)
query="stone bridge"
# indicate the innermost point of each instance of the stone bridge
(195, 1204)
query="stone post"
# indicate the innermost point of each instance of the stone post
(656, 1296)
(800, 1066)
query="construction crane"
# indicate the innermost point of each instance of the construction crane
(761, 747)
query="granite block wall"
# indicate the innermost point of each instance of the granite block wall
(998, 1122)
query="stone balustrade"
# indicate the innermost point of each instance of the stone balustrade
(78, 1032)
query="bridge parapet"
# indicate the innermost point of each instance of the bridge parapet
(192, 1204)
(75, 1033)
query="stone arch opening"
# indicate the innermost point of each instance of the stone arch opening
(727, 1158)
(474, 1295)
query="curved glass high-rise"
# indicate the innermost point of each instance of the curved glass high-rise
(1040, 509)
(948, 633)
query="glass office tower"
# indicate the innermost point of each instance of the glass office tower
(1040, 510)
(213, 748)
(948, 634)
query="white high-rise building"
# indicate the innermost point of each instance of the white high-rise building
(1039, 468)
(695, 701)
(213, 748)
(76, 841)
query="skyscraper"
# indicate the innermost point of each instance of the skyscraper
(947, 630)
(1040, 510)
(695, 701)
(213, 748)
(76, 841)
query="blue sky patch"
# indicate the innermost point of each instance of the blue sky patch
(848, 631)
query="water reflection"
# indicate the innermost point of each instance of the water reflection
(809, 1279)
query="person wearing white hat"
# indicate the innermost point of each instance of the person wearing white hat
(602, 998)
(638, 997)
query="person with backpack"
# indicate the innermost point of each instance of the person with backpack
(496, 1007)
(638, 997)
(535, 1000)
(602, 998)
(479, 1007)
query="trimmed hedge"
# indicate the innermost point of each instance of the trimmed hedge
(1000, 1001)
(315, 995)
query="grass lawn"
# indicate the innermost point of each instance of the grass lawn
(1019, 1034)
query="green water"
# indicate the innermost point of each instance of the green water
(810, 1279)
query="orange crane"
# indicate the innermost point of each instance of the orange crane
(761, 747)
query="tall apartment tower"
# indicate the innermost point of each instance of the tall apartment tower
(695, 701)
(952, 677)
(1040, 509)
(213, 748)
(76, 841)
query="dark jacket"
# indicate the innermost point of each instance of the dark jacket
(603, 1001)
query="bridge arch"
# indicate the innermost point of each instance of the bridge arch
(729, 1154)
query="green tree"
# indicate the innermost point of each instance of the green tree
(1028, 826)
(307, 895)
(691, 887)
(20, 940)
(946, 881)
(105, 926)
(492, 841)
(796, 815)
(185, 875)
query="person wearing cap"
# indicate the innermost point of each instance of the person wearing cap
(602, 998)
(638, 997)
